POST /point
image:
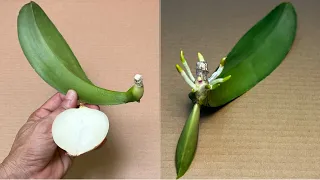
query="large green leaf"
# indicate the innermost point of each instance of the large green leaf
(257, 54)
(52, 58)
(36, 31)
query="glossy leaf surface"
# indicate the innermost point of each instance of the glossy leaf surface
(52, 58)
(187, 143)
(257, 54)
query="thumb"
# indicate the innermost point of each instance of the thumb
(69, 101)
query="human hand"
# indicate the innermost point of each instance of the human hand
(34, 153)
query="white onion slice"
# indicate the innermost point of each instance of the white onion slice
(80, 130)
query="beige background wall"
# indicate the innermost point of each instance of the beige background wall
(113, 40)
(273, 131)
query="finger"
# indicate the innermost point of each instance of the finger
(92, 106)
(48, 107)
(66, 160)
(70, 101)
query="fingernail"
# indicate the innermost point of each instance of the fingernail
(70, 94)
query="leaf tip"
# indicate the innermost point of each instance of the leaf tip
(287, 4)
(26, 6)
(31, 3)
(179, 175)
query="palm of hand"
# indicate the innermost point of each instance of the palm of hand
(34, 153)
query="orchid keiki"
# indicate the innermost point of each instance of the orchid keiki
(202, 84)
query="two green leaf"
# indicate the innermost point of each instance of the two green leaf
(52, 58)
(257, 54)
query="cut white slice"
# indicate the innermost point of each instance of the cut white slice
(80, 130)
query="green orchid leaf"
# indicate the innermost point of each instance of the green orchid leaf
(256, 55)
(53, 60)
(187, 143)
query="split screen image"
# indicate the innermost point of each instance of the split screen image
(159, 89)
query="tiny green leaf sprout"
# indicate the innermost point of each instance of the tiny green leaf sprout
(254, 57)
(202, 84)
